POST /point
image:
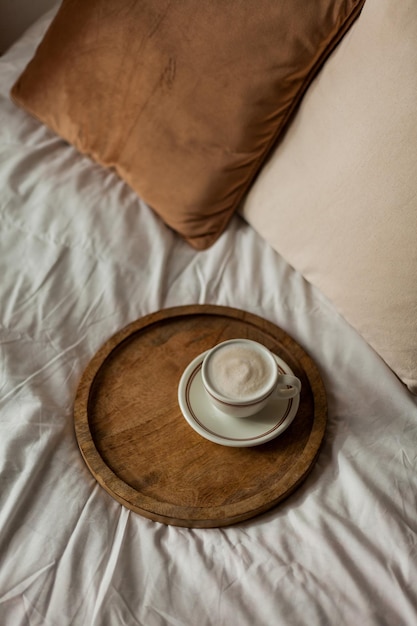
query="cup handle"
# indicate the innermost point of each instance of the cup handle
(282, 390)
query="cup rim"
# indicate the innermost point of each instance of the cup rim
(249, 400)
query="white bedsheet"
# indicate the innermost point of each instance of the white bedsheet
(81, 256)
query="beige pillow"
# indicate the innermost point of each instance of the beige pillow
(184, 99)
(338, 197)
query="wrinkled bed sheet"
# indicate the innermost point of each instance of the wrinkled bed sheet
(81, 257)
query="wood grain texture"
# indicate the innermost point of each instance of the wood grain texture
(138, 446)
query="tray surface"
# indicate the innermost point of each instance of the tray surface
(138, 446)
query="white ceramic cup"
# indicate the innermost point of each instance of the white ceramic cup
(241, 376)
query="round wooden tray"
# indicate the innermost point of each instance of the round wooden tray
(139, 447)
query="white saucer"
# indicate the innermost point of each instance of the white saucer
(236, 432)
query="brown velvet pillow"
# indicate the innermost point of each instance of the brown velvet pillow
(184, 99)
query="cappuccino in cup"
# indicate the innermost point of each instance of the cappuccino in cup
(241, 376)
(240, 371)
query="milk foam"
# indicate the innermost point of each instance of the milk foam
(238, 371)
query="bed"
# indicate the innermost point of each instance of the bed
(322, 246)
